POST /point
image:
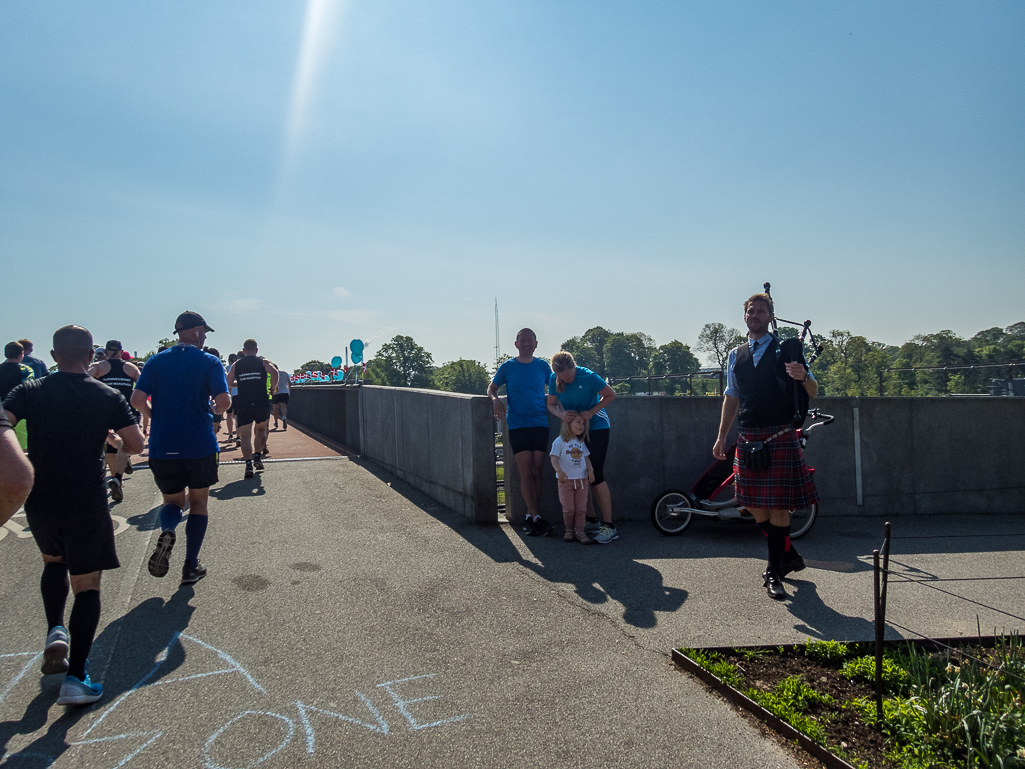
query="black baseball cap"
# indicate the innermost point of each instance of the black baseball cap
(113, 346)
(190, 319)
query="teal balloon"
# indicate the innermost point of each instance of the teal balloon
(336, 361)
(356, 349)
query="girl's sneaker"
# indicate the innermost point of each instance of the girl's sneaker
(583, 539)
(568, 536)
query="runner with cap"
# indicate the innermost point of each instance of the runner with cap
(115, 372)
(71, 414)
(183, 450)
(256, 379)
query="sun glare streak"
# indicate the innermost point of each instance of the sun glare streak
(318, 36)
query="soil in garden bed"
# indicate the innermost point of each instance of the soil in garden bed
(861, 743)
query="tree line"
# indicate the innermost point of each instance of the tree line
(848, 366)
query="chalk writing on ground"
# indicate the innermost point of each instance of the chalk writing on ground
(391, 707)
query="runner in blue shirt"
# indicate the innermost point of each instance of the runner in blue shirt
(183, 450)
(524, 378)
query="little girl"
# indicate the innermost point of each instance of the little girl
(573, 466)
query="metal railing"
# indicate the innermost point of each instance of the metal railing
(719, 375)
(1009, 366)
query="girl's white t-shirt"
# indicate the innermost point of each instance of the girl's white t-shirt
(571, 457)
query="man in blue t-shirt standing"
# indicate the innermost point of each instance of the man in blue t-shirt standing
(183, 450)
(524, 378)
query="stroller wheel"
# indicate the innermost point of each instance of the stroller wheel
(671, 513)
(802, 519)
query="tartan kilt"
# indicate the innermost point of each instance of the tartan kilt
(786, 484)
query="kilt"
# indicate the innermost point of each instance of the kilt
(786, 484)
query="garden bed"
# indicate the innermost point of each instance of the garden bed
(942, 708)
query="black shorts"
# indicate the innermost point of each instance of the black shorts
(175, 475)
(108, 449)
(528, 439)
(247, 415)
(280, 398)
(234, 402)
(76, 527)
(598, 445)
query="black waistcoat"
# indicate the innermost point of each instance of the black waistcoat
(764, 400)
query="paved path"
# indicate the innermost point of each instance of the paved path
(346, 622)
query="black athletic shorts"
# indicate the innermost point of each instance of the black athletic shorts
(528, 439)
(598, 445)
(108, 449)
(247, 415)
(76, 527)
(280, 398)
(175, 475)
(234, 402)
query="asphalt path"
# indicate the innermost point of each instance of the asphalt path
(349, 621)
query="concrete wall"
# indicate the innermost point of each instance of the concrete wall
(917, 455)
(441, 443)
(331, 410)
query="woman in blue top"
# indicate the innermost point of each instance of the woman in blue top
(573, 390)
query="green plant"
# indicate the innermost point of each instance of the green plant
(790, 701)
(715, 664)
(828, 652)
(895, 678)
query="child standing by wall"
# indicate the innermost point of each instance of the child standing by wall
(573, 466)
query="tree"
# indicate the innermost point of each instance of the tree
(313, 365)
(850, 364)
(717, 340)
(627, 354)
(403, 363)
(462, 376)
(589, 350)
(673, 358)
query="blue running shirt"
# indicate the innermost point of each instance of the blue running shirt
(525, 392)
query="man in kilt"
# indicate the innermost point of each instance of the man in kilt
(760, 391)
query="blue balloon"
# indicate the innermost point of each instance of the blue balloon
(336, 361)
(356, 348)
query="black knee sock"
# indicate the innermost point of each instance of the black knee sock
(788, 545)
(777, 542)
(54, 587)
(85, 616)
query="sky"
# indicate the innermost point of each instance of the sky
(307, 173)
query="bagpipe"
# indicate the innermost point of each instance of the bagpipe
(792, 351)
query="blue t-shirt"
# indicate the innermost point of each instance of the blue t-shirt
(525, 392)
(181, 381)
(582, 395)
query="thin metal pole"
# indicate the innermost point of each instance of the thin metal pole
(879, 639)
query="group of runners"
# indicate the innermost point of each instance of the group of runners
(94, 400)
(760, 393)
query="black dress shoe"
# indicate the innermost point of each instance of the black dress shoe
(792, 561)
(774, 586)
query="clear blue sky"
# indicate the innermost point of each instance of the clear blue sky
(307, 173)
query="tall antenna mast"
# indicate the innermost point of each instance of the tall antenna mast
(498, 346)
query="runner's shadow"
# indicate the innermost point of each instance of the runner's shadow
(147, 521)
(243, 487)
(130, 647)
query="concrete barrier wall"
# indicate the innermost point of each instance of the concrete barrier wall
(441, 443)
(881, 457)
(330, 410)
(917, 455)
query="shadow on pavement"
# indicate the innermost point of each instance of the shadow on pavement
(134, 642)
(242, 487)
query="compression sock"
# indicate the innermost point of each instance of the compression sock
(195, 532)
(170, 517)
(54, 587)
(85, 616)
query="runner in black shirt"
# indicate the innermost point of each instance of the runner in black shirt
(122, 376)
(70, 414)
(256, 379)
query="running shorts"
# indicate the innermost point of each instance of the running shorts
(247, 415)
(528, 439)
(280, 398)
(175, 475)
(76, 527)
